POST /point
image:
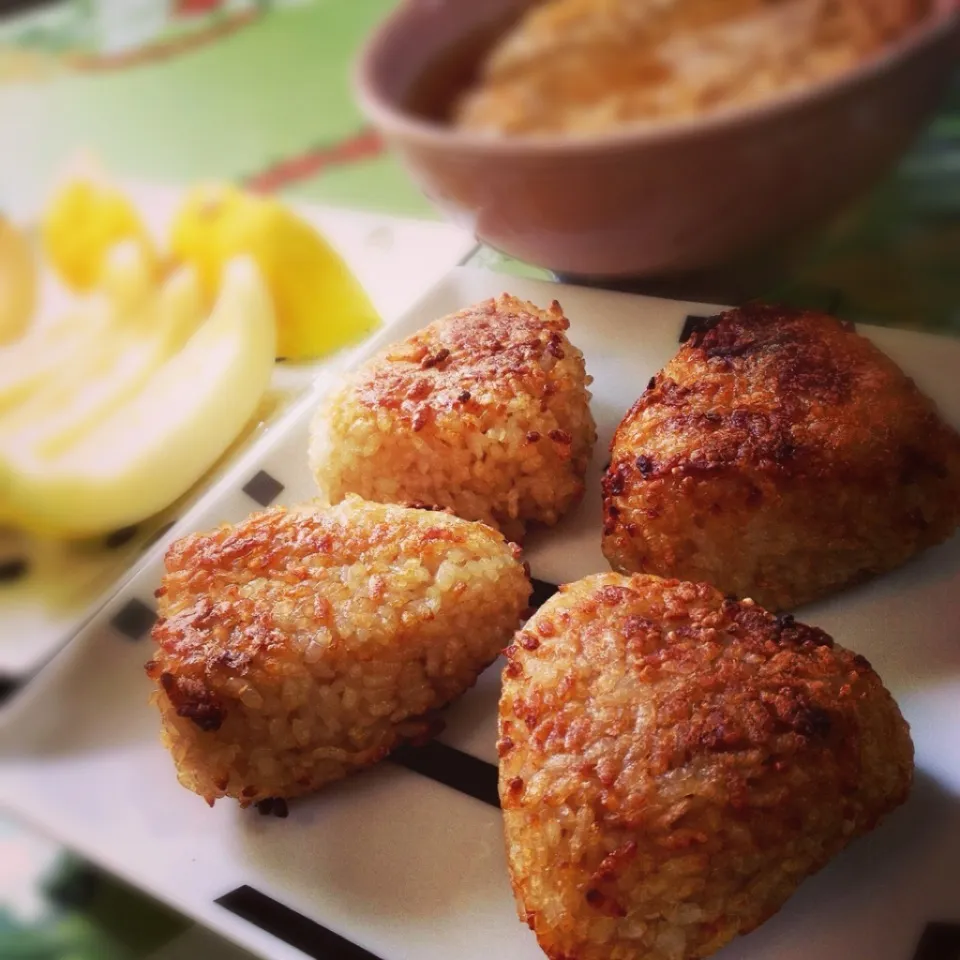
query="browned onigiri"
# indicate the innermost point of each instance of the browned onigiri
(485, 412)
(673, 764)
(779, 456)
(301, 645)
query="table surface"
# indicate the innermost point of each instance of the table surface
(257, 91)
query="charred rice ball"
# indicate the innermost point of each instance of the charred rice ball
(673, 764)
(301, 645)
(779, 456)
(485, 412)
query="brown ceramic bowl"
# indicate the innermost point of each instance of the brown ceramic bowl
(666, 199)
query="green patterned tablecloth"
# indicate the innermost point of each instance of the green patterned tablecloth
(180, 90)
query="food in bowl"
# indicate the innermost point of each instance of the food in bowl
(655, 199)
(583, 67)
(673, 765)
(485, 412)
(779, 456)
(301, 645)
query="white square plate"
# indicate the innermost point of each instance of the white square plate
(404, 865)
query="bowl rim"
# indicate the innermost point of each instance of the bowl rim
(943, 22)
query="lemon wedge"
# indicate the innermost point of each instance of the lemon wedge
(18, 282)
(151, 449)
(320, 306)
(86, 218)
(28, 363)
(110, 371)
(57, 355)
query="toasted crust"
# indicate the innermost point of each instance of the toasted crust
(504, 342)
(674, 764)
(300, 645)
(485, 412)
(779, 456)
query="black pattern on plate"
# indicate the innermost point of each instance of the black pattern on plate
(542, 592)
(835, 300)
(263, 488)
(291, 927)
(940, 941)
(453, 768)
(13, 568)
(75, 887)
(273, 807)
(119, 538)
(134, 619)
(8, 687)
(694, 324)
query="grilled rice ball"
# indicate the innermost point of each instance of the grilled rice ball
(485, 412)
(301, 645)
(779, 456)
(674, 764)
